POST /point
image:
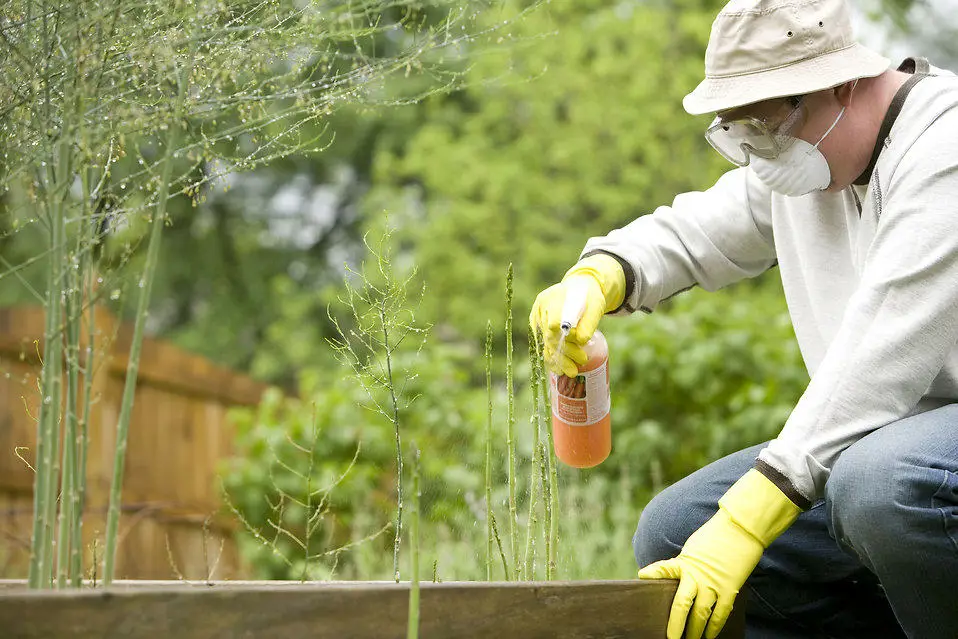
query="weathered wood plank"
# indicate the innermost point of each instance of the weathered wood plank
(357, 610)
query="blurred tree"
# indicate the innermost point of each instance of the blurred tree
(928, 27)
(584, 132)
(314, 71)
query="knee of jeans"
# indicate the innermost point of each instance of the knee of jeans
(663, 528)
(867, 497)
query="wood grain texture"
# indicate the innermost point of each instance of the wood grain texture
(340, 610)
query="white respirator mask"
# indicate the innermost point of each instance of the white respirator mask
(799, 170)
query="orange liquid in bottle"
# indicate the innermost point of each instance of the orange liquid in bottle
(581, 418)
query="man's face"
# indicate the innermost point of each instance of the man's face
(844, 147)
(841, 147)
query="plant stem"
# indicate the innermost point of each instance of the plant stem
(412, 630)
(310, 522)
(395, 419)
(551, 467)
(535, 371)
(502, 553)
(488, 357)
(511, 427)
(133, 364)
(549, 515)
(69, 500)
(47, 439)
(55, 181)
(88, 268)
(70, 512)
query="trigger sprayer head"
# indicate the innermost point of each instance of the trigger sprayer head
(574, 305)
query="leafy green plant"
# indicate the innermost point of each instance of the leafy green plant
(382, 321)
(142, 105)
(704, 375)
(303, 486)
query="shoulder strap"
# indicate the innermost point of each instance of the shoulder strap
(921, 71)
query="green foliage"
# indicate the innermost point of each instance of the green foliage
(582, 134)
(111, 110)
(573, 129)
(382, 327)
(920, 27)
(289, 448)
(570, 126)
(706, 375)
(272, 84)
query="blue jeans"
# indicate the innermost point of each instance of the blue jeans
(877, 557)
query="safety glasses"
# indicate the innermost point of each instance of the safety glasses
(737, 138)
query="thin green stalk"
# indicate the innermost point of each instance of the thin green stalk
(133, 365)
(88, 269)
(69, 500)
(311, 523)
(41, 543)
(547, 506)
(552, 466)
(529, 563)
(63, 177)
(412, 630)
(395, 419)
(48, 435)
(552, 513)
(502, 553)
(535, 371)
(73, 300)
(488, 356)
(511, 426)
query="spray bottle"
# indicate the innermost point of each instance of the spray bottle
(581, 419)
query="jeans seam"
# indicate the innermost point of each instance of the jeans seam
(941, 511)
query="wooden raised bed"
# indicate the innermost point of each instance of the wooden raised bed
(344, 610)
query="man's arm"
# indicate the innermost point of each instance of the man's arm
(899, 326)
(710, 239)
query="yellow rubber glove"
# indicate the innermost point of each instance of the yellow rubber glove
(605, 285)
(718, 557)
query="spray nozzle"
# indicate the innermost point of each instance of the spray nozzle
(574, 305)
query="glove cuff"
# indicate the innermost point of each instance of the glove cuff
(607, 271)
(759, 507)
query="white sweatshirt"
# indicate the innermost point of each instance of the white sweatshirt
(870, 277)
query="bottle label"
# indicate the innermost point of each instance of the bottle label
(582, 400)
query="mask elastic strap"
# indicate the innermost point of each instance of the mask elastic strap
(835, 123)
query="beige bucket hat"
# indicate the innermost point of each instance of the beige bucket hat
(762, 49)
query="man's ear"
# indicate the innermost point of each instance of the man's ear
(844, 92)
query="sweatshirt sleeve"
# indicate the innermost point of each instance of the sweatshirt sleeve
(710, 239)
(898, 328)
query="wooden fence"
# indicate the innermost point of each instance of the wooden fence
(172, 523)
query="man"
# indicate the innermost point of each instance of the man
(846, 524)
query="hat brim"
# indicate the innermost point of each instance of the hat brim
(808, 76)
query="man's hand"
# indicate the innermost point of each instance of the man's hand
(603, 281)
(718, 557)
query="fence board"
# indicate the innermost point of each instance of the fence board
(553, 610)
(179, 433)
